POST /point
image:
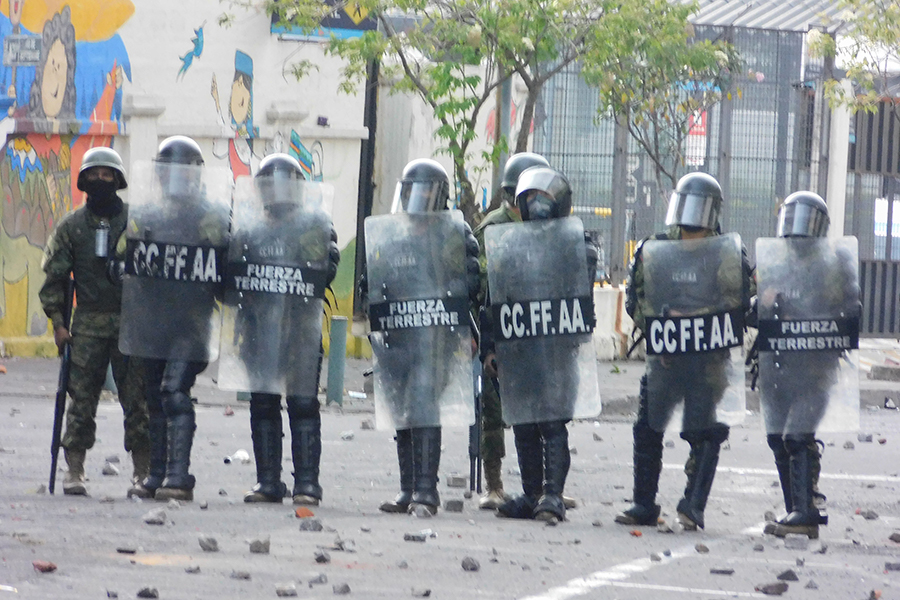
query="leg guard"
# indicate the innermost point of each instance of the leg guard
(181, 423)
(306, 448)
(556, 456)
(531, 465)
(400, 504)
(266, 432)
(804, 519)
(701, 471)
(426, 445)
(782, 463)
(648, 451)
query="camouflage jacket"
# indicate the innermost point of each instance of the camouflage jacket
(635, 301)
(71, 250)
(504, 214)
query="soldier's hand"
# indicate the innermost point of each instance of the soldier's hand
(61, 337)
(490, 365)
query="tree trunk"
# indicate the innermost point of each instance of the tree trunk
(527, 118)
(466, 194)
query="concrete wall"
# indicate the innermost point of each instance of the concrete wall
(126, 74)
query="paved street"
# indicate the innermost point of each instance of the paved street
(589, 556)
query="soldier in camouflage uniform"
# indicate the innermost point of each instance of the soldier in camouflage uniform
(493, 447)
(80, 247)
(693, 213)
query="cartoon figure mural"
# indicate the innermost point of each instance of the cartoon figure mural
(188, 59)
(310, 161)
(240, 111)
(63, 95)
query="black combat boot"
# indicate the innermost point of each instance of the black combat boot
(550, 506)
(648, 451)
(531, 466)
(782, 464)
(306, 452)
(400, 504)
(267, 449)
(804, 519)
(426, 454)
(157, 430)
(179, 483)
(701, 471)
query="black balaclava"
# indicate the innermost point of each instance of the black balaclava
(102, 199)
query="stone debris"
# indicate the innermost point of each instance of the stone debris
(243, 575)
(772, 589)
(769, 516)
(223, 492)
(259, 546)
(229, 412)
(457, 481)
(41, 489)
(322, 557)
(796, 541)
(597, 437)
(812, 585)
(667, 552)
(365, 528)
(573, 450)
(758, 548)
(882, 441)
(470, 564)
(311, 525)
(701, 549)
(414, 537)
(865, 438)
(890, 404)
(148, 592)
(889, 566)
(173, 504)
(454, 506)
(367, 425)
(421, 592)
(193, 569)
(110, 469)
(317, 579)
(208, 543)
(655, 557)
(113, 458)
(848, 445)
(204, 505)
(342, 545)
(347, 436)
(341, 589)
(303, 513)
(112, 594)
(801, 562)
(467, 494)
(788, 575)
(867, 514)
(155, 517)
(664, 528)
(43, 566)
(285, 590)
(126, 550)
(402, 565)
(895, 537)
(721, 571)
(670, 444)
(821, 549)
(597, 523)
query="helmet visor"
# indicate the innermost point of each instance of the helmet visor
(536, 205)
(802, 220)
(419, 197)
(180, 182)
(279, 188)
(692, 210)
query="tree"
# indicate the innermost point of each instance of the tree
(655, 77)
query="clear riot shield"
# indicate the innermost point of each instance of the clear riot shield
(419, 317)
(176, 238)
(275, 280)
(693, 294)
(808, 302)
(543, 317)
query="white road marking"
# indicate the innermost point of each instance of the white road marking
(774, 473)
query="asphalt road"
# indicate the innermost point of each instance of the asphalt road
(589, 556)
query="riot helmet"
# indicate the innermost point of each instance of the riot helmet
(102, 157)
(696, 202)
(178, 166)
(278, 180)
(803, 214)
(543, 193)
(514, 167)
(423, 187)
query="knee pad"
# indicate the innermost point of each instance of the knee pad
(177, 403)
(180, 375)
(715, 434)
(266, 407)
(795, 442)
(646, 435)
(776, 444)
(303, 407)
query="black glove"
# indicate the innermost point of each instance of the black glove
(473, 270)
(334, 258)
(115, 271)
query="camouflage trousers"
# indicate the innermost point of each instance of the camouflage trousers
(493, 446)
(91, 357)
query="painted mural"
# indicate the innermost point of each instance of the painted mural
(239, 116)
(61, 80)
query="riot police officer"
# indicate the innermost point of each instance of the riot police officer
(700, 273)
(168, 306)
(278, 321)
(804, 277)
(541, 375)
(493, 446)
(422, 275)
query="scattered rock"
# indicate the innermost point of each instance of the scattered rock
(772, 589)
(701, 549)
(285, 590)
(597, 523)
(597, 437)
(769, 516)
(223, 492)
(193, 569)
(868, 514)
(636, 533)
(148, 592)
(155, 517)
(655, 557)
(865, 438)
(796, 541)
(457, 481)
(303, 513)
(721, 571)
(126, 550)
(112, 594)
(889, 566)
(421, 592)
(318, 579)
(670, 444)
(347, 436)
(414, 537)
(365, 528)
(110, 469)
(208, 543)
(801, 562)
(821, 549)
(875, 595)
(259, 546)
(573, 450)
(848, 445)
(173, 504)
(402, 565)
(322, 557)
(454, 506)
(812, 585)
(367, 425)
(204, 505)
(664, 527)
(467, 494)
(788, 575)
(890, 404)
(243, 575)
(667, 552)
(895, 537)
(341, 589)
(43, 566)
(341, 545)
(882, 441)
(229, 412)
(41, 489)
(470, 564)
(758, 548)
(107, 500)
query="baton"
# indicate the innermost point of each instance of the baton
(62, 386)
